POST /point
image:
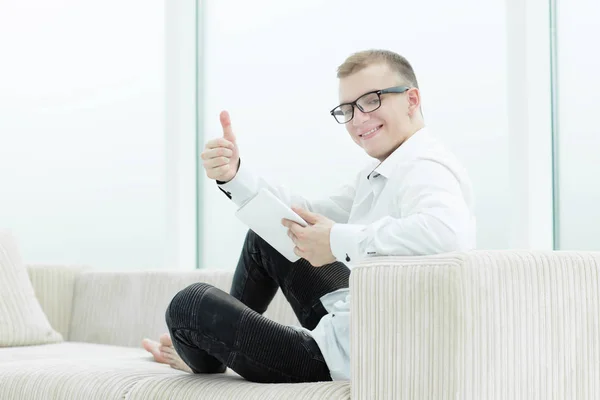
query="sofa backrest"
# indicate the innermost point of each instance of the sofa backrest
(122, 308)
(54, 286)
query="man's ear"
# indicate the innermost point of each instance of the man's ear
(414, 100)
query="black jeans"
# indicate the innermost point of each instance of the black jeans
(212, 330)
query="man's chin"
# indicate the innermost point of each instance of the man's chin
(380, 154)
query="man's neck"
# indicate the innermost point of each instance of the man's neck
(414, 129)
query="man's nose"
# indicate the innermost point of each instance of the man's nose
(359, 117)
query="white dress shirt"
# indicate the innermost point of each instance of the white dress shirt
(418, 201)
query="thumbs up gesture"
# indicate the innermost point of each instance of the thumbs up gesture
(221, 156)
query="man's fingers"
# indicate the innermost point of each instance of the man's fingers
(310, 217)
(299, 252)
(216, 162)
(226, 125)
(219, 142)
(216, 152)
(220, 170)
(293, 226)
(292, 236)
(217, 172)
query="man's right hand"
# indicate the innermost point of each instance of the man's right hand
(221, 155)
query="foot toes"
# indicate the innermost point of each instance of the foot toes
(153, 348)
(165, 340)
(147, 344)
(150, 346)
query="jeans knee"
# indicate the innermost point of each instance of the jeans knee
(255, 244)
(185, 303)
(251, 239)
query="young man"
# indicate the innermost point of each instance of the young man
(415, 199)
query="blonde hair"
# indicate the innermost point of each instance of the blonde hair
(362, 59)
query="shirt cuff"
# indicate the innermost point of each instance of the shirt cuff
(242, 187)
(344, 240)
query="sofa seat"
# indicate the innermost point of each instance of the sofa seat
(93, 371)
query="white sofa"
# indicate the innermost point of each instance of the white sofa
(477, 325)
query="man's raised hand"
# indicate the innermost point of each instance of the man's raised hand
(221, 156)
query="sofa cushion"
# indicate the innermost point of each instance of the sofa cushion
(22, 321)
(90, 371)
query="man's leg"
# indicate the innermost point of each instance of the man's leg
(261, 270)
(205, 320)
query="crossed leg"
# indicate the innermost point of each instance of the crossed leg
(210, 330)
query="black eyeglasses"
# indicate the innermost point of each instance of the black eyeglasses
(366, 103)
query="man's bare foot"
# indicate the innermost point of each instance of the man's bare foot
(164, 353)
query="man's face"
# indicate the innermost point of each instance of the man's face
(379, 132)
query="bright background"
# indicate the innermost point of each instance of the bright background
(82, 125)
(105, 106)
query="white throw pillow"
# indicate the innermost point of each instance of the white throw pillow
(22, 320)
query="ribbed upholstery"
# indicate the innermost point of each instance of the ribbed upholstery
(22, 321)
(483, 325)
(71, 351)
(75, 372)
(121, 308)
(189, 387)
(81, 371)
(54, 286)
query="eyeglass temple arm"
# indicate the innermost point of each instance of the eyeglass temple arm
(397, 89)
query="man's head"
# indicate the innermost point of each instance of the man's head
(381, 120)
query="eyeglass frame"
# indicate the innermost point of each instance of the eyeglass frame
(394, 89)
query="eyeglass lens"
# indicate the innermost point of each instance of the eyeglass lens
(366, 103)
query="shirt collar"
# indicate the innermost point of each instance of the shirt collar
(407, 150)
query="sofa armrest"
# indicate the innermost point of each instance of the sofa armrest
(53, 286)
(478, 325)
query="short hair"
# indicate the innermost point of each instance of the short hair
(362, 59)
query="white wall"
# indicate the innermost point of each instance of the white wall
(578, 65)
(272, 64)
(82, 163)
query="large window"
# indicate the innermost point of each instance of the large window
(577, 131)
(82, 143)
(105, 113)
(272, 64)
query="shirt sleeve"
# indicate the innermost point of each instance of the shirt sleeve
(245, 185)
(434, 218)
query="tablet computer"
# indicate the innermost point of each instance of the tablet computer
(263, 214)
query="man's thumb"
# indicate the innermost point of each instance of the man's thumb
(306, 215)
(226, 124)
